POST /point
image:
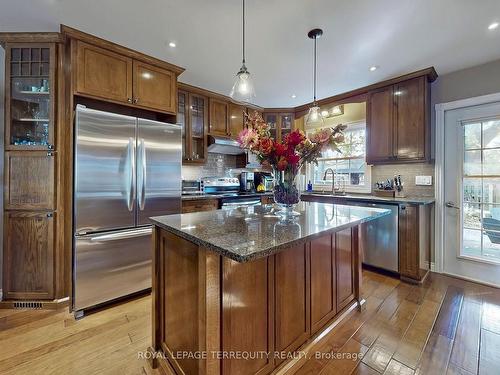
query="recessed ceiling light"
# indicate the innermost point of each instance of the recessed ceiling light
(493, 26)
(373, 68)
(172, 44)
(293, 96)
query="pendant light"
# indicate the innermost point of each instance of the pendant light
(314, 117)
(243, 89)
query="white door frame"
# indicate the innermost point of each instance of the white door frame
(439, 172)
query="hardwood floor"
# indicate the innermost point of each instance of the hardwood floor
(447, 326)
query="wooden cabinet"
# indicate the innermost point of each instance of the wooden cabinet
(105, 74)
(28, 259)
(29, 180)
(414, 241)
(292, 298)
(323, 282)
(281, 124)
(198, 205)
(102, 73)
(380, 113)
(236, 119)
(34, 260)
(345, 267)
(192, 114)
(154, 88)
(30, 94)
(219, 110)
(398, 126)
(247, 315)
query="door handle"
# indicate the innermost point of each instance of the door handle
(451, 205)
(142, 191)
(131, 186)
(120, 235)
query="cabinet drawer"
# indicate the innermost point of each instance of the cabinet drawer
(29, 180)
(102, 73)
(199, 205)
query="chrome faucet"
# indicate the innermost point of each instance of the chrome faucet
(333, 178)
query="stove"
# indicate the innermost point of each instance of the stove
(229, 190)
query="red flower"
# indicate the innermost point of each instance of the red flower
(280, 149)
(282, 164)
(266, 146)
(293, 159)
(295, 138)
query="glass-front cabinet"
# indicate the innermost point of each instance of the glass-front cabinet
(30, 96)
(192, 114)
(280, 124)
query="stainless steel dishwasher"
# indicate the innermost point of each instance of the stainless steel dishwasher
(378, 239)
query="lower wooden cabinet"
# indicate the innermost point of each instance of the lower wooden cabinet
(345, 269)
(198, 205)
(292, 299)
(414, 241)
(323, 281)
(28, 270)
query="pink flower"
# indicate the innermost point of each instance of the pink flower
(282, 164)
(248, 138)
(321, 136)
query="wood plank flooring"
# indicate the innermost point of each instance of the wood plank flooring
(446, 326)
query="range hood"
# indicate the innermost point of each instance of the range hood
(224, 145)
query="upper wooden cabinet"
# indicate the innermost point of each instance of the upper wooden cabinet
(192, 114)
(398, 126)
(105, 74)
(154, 88)
(30, 96)
(281, 124)
(236, 119)
(219, 110)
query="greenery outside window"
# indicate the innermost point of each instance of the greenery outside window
(351, 170)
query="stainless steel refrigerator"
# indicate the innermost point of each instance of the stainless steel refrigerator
(127, 169)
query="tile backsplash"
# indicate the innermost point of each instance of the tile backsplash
(408, 172)
(216, 165)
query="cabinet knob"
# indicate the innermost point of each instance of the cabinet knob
(50, 147)
(50, 215)
(136, 100)
(129, 100)
(50, 153)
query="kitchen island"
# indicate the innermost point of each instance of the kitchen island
(240, 291)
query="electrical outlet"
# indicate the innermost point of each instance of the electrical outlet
(423, 180)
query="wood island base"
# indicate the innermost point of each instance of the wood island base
(213, 315)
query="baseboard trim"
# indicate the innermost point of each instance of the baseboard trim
(472, 280)
(45, 305)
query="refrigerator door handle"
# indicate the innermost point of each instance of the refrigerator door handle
(142, 164)
(104, 237)
(131, 185)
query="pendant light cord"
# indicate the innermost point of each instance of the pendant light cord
(314, 85)
(243, 31)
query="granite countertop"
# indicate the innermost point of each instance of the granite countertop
(374, 198)
(188, 197)
(247, 233)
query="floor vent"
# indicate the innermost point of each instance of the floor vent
(27, 305)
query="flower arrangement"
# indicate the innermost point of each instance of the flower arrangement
(287, 157)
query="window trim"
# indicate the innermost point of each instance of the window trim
(367, 188)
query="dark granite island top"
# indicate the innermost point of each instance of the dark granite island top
(248, 233)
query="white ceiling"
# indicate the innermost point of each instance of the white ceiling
(399, 36)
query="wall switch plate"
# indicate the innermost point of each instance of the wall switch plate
(423, 180)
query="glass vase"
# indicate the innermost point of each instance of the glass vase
(286, 194)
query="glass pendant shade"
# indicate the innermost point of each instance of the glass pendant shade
(314, 117)
(243, 89)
